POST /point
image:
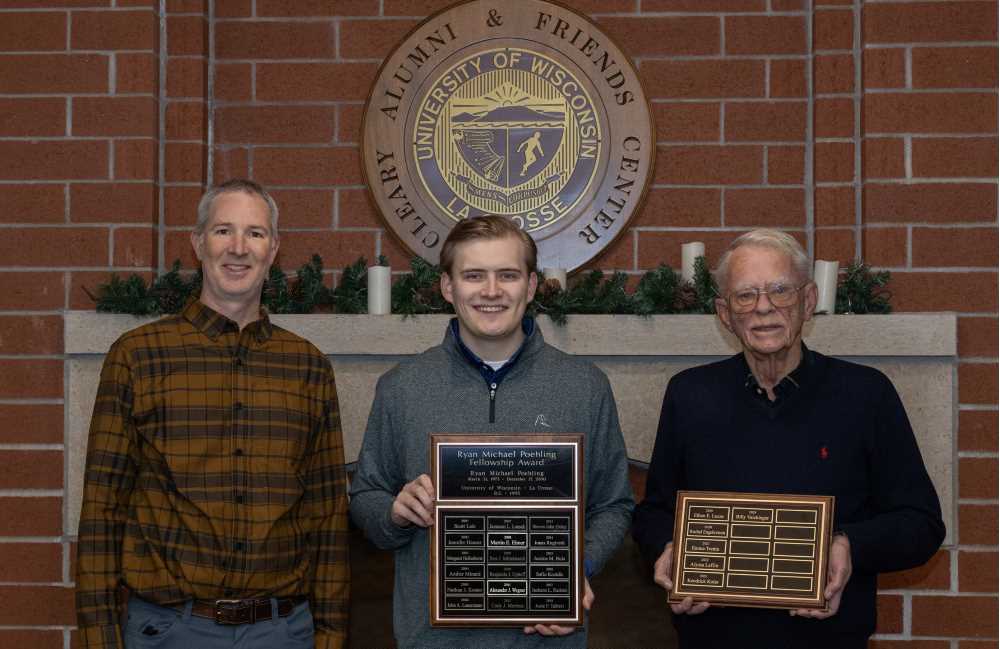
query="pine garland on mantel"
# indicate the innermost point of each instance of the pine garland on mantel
(659, 291)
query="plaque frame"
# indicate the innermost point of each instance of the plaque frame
(724, 592)
(570, 507)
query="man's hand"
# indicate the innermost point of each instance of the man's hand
(837, 574)
(558, 629)
(414, 504)
(661, 575)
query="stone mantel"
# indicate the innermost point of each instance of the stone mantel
(917, 351)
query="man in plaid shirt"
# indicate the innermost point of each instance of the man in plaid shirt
(214, 487)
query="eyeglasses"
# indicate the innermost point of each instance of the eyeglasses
(780, 295)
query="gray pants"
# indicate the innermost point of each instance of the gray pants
(149, 626)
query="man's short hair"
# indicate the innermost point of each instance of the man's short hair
(765, 238)
(487, 228)
(235, 185)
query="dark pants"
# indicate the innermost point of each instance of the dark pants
(149, 626)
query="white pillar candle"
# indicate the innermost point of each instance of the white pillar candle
(379, 290)
(558, 274)
(690, 252)
(825, 276)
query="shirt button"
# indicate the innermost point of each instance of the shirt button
(238, 452)
(239, 499)
(238, 546)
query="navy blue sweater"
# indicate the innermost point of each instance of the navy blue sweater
(843, 432)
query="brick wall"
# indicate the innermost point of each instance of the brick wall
(868, 130)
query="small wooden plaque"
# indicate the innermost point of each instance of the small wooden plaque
(507, 543)
(757, 550)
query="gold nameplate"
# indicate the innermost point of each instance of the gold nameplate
(758, 550)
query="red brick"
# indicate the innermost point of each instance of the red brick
(930, 113)
(230, 162)
(177, 247)
(114, 30)
(397, 254)
(372, 39)
(37, 605)
(788, 78)
(185, 120)
(55, 247)
(31, 470)
(977, 571)
(977, 478)
(756, 121)
(187, 35)
(31, 639)
(834, 206)
(114, 116)
(681, 208)
(765, 35)
(834, 73)
(113, 203)
(423, 7)
(657, 248)
(303, 208)
(233, 81)
(977, 336)
(883, 157)
(889, 614)
(273, 40)
(31, 290)
(933, 575)
(30, 517)
(135, 247)
(915, 291)
(977, 429)
(349, 123)
(788, 5)
(955, 67)
(885, 247)
(356, 210)
(704, 78)
(909, 644)
(955, 157)
(314, 81)
(977, 525)
(709, 165)
(833, 29)
(664, 36)
(884, 68)
(834, 118)
(32, 204)
(31, 423)
(325, 166)
(181, 205)
(233, 8)
(955, 247)
(687, 122)
(28, 31)
(338, 249)
(785, 165)
(977, 644)
(185, 6)
(765, 208)
(929, 22)
(283, 8)
(834, 161)
(184, 163)
(186, 78)
(32, 334)
(135, 159)
(274, 124)
(136, 73)
(49, 4)
(53, 73)
(977, 383)
(619, 255)
(835, 245)
(966, 616)
(930, 202)
(728, 6)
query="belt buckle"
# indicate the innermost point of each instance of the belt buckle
(232, 605)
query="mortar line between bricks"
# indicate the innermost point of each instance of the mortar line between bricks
(210, 97)
(161, 145)
(992, 90)
(859, 90)
(809, 155)
(32, 493)
(31, 539)
(929, 44)
(989, 455)
(32, 447)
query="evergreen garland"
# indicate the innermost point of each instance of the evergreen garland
(419, 291)
(863, 291)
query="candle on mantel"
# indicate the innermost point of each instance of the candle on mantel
(825, 276)
(690, 252)
(558, 274)
(379, 290)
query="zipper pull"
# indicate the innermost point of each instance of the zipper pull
(493, 395)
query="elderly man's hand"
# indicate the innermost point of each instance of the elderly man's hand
(661, 575)
(838, 573)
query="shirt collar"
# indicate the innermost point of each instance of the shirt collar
(790, 384)
(489, 374)
(213, 324)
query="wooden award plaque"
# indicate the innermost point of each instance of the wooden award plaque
(507, 543)
(758, 550)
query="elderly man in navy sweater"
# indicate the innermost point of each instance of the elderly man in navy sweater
(781, 418)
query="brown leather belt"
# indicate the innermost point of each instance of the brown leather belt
(240, 611)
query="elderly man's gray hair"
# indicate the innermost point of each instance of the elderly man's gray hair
(765, 238)
(235, 185)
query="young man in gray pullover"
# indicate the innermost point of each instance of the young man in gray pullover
(492, 374)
